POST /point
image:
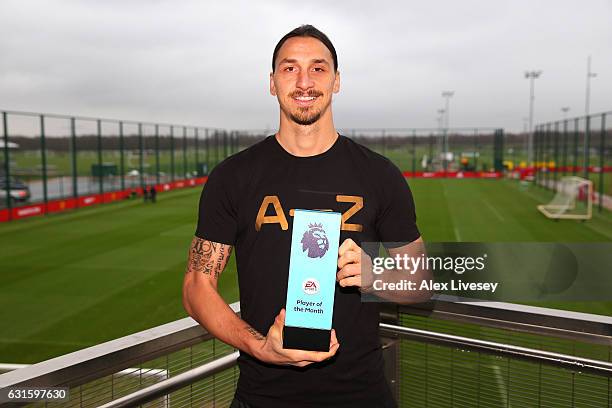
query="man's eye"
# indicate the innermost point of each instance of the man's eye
(319, 69)
(290, 69)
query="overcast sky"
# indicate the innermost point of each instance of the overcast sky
(207, 63)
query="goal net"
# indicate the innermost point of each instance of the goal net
(573, 200)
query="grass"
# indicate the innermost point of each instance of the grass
(76, 279)
(60, 162)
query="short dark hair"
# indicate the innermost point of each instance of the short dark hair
(307, 30)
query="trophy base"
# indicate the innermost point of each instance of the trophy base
(300, 338)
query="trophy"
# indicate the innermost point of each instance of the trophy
(312, 280)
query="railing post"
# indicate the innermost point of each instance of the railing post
(540, 156)
(384, 143)
(431, 141)
(141, 156)
(75, 172)
(121, 156)
(536, 154)
(197, 153)
(575, 166)
(498, 149)
(556, 153)
(565, 142)
(207, 147)
(413, 152)
(602, 153)
(218, 143)
(225, 144)
(172, 153)
(43, 152)
(587, 147)
(157, 153)
(7, 167)
(100, 171)
(476, 151)
(184, 152)
(547, 154)
(537, 140)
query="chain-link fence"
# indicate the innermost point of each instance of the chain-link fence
(55, 157)
(61, 162)
(417, 150)
(576, 147)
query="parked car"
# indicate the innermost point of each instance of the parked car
(19, 191)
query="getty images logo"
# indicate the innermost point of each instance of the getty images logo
(315, 241)
(310, 286)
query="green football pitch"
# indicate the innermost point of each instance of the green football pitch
(76, 279)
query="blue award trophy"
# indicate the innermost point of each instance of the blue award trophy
(312, 280)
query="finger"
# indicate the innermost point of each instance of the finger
(301, 356)
(280, 318)
(348, 271)
(306, 355)
(325, 355)
(352, 281)
(350, 256)
(333, 349)
(346, 245)
(333, 339)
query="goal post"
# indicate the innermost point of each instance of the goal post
(573, 200)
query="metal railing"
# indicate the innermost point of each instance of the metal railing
(444, 353)
(516, 356)
(96, 375)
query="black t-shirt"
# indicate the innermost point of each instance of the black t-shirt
(247, 203)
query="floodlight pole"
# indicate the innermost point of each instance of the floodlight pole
(531, 75)
(565, 109)
(447, 95)
(441, 125)
(440, 119)
(587, 103)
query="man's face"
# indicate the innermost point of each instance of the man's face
(304, 79)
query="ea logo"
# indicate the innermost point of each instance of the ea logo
(310, 286)
(315, 241)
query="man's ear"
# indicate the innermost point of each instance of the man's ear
(272, 87)
(337, 82)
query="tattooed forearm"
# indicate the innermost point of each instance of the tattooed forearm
(206, 257)
(224, 253)
(255, 333)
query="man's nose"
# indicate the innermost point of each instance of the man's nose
(304, 81)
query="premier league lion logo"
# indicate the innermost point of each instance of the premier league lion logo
(315, 241)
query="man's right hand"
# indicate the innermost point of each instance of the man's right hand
(272, 350)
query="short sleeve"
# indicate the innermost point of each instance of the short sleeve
(217, 213)
(396, 219)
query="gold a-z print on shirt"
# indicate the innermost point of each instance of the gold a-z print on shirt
(248, 202)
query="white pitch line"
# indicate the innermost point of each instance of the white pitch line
(455, 229)
(502, 386)
(457, 235)
(494, 211)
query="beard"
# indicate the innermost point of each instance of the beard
(306, 116)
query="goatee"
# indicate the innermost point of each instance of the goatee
(305, 119)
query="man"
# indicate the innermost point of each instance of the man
(248, 203)
(153, 193)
